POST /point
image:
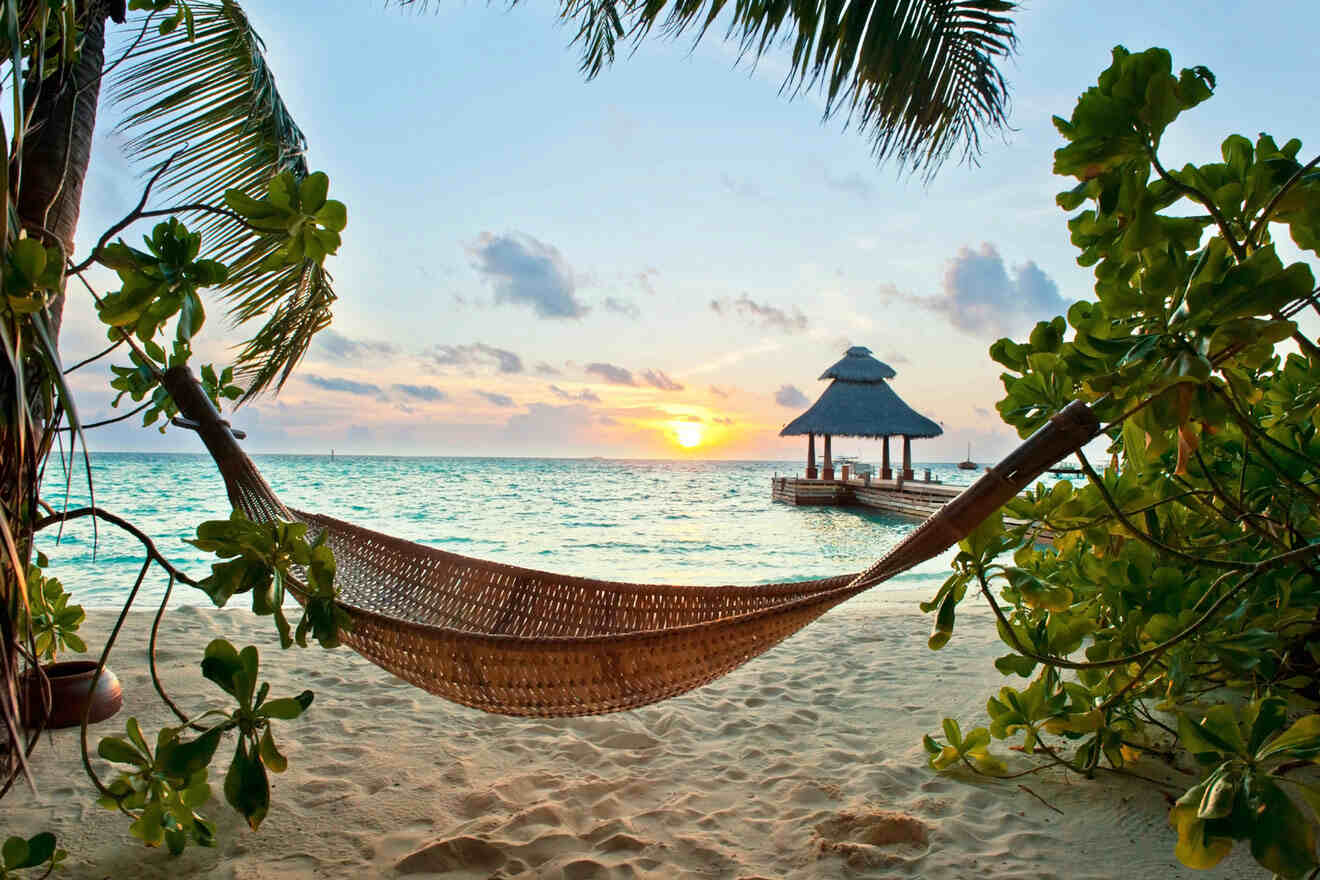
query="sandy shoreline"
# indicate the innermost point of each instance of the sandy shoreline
(806, 763)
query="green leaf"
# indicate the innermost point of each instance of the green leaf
(283, 191)
(120, 752)
(1220, 793)
(176, 840)
(135, 735)
(183, 759)
(247, 788)
(15, 852)
(952, 732)
(29, 257)
(149, 827)
(1196, 848)
(288, 708)
(35, 851)
(221, 665)
(980, 541)
(41, 847)
(1301, 741)
(1270, 715)
(332, 215)
(270, 756)
(1015, 663)
(312, 191)
(1134, 445)
(1282, 839)
(944, 620)
(1220, 725)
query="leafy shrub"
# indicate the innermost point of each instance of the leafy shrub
(1184, 572)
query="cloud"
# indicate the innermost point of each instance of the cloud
(477, 354)
(337, 346)
(854, 184)
(546, 370)
(429, 393)
(894, 356)
(787, 395)
(348, 386)
(525, 271)
(586, 394)
(611, 374)
(719, 392)
(762, 313)
(982, 298)
(624, 307)
(658, 379)
(502, 400)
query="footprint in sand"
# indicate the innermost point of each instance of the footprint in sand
(875, 838)
(467, 853)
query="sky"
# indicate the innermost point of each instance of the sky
(660, 262)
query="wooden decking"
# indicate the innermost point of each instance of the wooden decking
(911, 497)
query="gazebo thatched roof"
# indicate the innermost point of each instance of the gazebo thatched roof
(858, 365)
(860, 403)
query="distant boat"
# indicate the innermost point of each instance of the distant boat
(967, 465)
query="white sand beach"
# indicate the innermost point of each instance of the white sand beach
(805, 763)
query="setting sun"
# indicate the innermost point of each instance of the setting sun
(688, 434)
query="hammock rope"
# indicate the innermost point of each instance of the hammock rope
(518, 641)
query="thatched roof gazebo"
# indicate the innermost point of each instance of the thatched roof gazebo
(860, 403)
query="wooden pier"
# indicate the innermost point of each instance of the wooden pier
(913, 498)
(909, 497)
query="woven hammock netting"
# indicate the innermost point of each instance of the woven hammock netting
(518, 641)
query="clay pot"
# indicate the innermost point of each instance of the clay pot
(71, 692)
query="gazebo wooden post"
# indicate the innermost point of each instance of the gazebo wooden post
(811, 456)
(886, 472)
(828, 473)
(907, 457)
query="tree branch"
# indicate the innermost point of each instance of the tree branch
(129, 218)
(1205, 201)
(104, 422)
(153, 554)
(1261, 223)
(85, 361)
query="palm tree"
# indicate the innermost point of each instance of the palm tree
(918, 78)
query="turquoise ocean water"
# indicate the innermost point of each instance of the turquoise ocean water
(686, 522)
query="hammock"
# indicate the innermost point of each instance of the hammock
(518, 641)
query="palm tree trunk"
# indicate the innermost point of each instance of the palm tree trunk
(58, 144)
(49, 180)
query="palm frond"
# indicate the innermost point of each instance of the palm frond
(306, 293)
(215, 93)
(917, 77)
